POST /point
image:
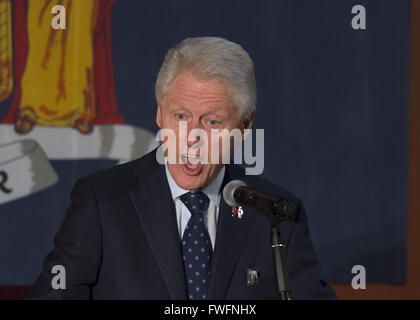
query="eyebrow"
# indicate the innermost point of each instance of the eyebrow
(217, 114)
(176, 107)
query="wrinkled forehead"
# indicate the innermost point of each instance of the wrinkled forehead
(188, 90)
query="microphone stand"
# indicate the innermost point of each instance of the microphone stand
(279, 254)
(277, 211)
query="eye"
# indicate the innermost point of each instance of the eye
(213, 122)
(180, 116)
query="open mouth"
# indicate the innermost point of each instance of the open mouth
(191, 164)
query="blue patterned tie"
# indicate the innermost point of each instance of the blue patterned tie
(196, 247)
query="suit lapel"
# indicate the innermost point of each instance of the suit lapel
(153, 203)
(230, 238)
(152, 200)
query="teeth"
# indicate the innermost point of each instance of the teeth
(190, 165)
(190, 156)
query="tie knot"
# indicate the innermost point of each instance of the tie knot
(196, 202)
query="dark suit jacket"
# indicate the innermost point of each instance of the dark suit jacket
(119, 240)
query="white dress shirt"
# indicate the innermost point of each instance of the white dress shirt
(210, 215)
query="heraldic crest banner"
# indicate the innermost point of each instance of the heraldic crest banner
(64, 103)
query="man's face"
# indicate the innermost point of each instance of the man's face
(202, 104)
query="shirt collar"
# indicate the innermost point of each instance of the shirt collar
(212, 190)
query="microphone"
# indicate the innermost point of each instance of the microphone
(236, 193)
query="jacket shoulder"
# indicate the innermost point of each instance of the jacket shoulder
(121, 176)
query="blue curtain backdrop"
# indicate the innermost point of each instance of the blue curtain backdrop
(333, 102)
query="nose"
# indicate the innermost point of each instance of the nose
(191, 143)
(195, 128)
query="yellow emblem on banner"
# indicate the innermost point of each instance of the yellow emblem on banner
(57, 85)
(6, 52)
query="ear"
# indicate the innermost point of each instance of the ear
(247, 124)
(159, 117)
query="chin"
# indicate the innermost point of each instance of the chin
(189, 185)
(188, 181)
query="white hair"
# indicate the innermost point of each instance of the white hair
(212, 57)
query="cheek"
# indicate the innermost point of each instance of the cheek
(167, 120)
(168, 123)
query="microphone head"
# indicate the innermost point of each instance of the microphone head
(229, 191)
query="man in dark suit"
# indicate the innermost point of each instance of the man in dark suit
(153, 229)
